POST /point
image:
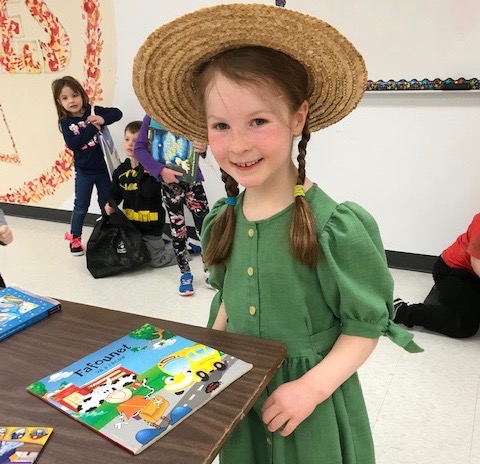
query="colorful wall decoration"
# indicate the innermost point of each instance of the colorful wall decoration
(425, 84)
(41, 41)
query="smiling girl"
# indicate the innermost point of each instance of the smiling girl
(289, 263)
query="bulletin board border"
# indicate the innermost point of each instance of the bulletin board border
(460, 83)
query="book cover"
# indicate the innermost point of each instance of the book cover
(173, 151)
(22, 445)
(20, 308)
(138, 388)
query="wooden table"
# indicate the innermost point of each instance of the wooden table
(78, 330)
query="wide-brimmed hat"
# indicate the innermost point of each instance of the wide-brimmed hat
(165, 64)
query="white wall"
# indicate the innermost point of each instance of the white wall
(411, 159)
(407, 39)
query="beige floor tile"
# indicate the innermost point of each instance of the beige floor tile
(428, 414)
(475, 450)
(376, 376)
(411, 286)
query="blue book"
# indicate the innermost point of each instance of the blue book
(138, 388)
(20, 308)
(174, 151)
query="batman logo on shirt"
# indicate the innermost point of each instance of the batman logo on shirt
(128, 181)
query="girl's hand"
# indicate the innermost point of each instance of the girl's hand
(170, 175)
(200, 147)
(292, 402)
(96, 120)
(288, 406)
(221, 320)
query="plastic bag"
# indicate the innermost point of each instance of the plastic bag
(112, 159)
(109, 151)
(115, 246)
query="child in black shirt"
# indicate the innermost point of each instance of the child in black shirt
(142, 200)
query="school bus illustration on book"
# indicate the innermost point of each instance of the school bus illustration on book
(190, 365)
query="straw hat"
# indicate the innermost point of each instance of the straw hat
(164, 65)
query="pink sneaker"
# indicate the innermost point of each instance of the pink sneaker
(76, 247)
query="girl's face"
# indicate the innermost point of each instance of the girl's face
(251, 130)
(71, 102)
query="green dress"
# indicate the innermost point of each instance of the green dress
(269, 294)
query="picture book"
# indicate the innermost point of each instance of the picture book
(22, 445)
(20, 308)
(175, 152)
(138, 388)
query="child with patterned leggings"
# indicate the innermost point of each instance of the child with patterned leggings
(176, 195)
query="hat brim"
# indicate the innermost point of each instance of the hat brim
(164, 66)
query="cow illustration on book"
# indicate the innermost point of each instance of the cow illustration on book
(190, 365)
(149, 408)
(110, 391)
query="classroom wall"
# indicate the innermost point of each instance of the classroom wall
(410, 158)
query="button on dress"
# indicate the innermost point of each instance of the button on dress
(269, 294)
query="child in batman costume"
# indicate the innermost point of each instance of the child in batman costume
(142, 201)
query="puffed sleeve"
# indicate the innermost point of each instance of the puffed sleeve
(354, 275)
(217, 273)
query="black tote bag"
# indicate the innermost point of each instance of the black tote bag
(115, 246)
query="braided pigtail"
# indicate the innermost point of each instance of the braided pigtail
(303, 231)
(223, 229)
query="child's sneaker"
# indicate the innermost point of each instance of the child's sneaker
(193, 246)
(207, 279)
(76, 247)
(186, 284)
(397, 304)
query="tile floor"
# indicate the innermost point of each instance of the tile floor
(424, 408)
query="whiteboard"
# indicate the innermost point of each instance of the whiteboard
(407, 39)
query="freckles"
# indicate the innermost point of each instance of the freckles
(218, 154)
(216, 147)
